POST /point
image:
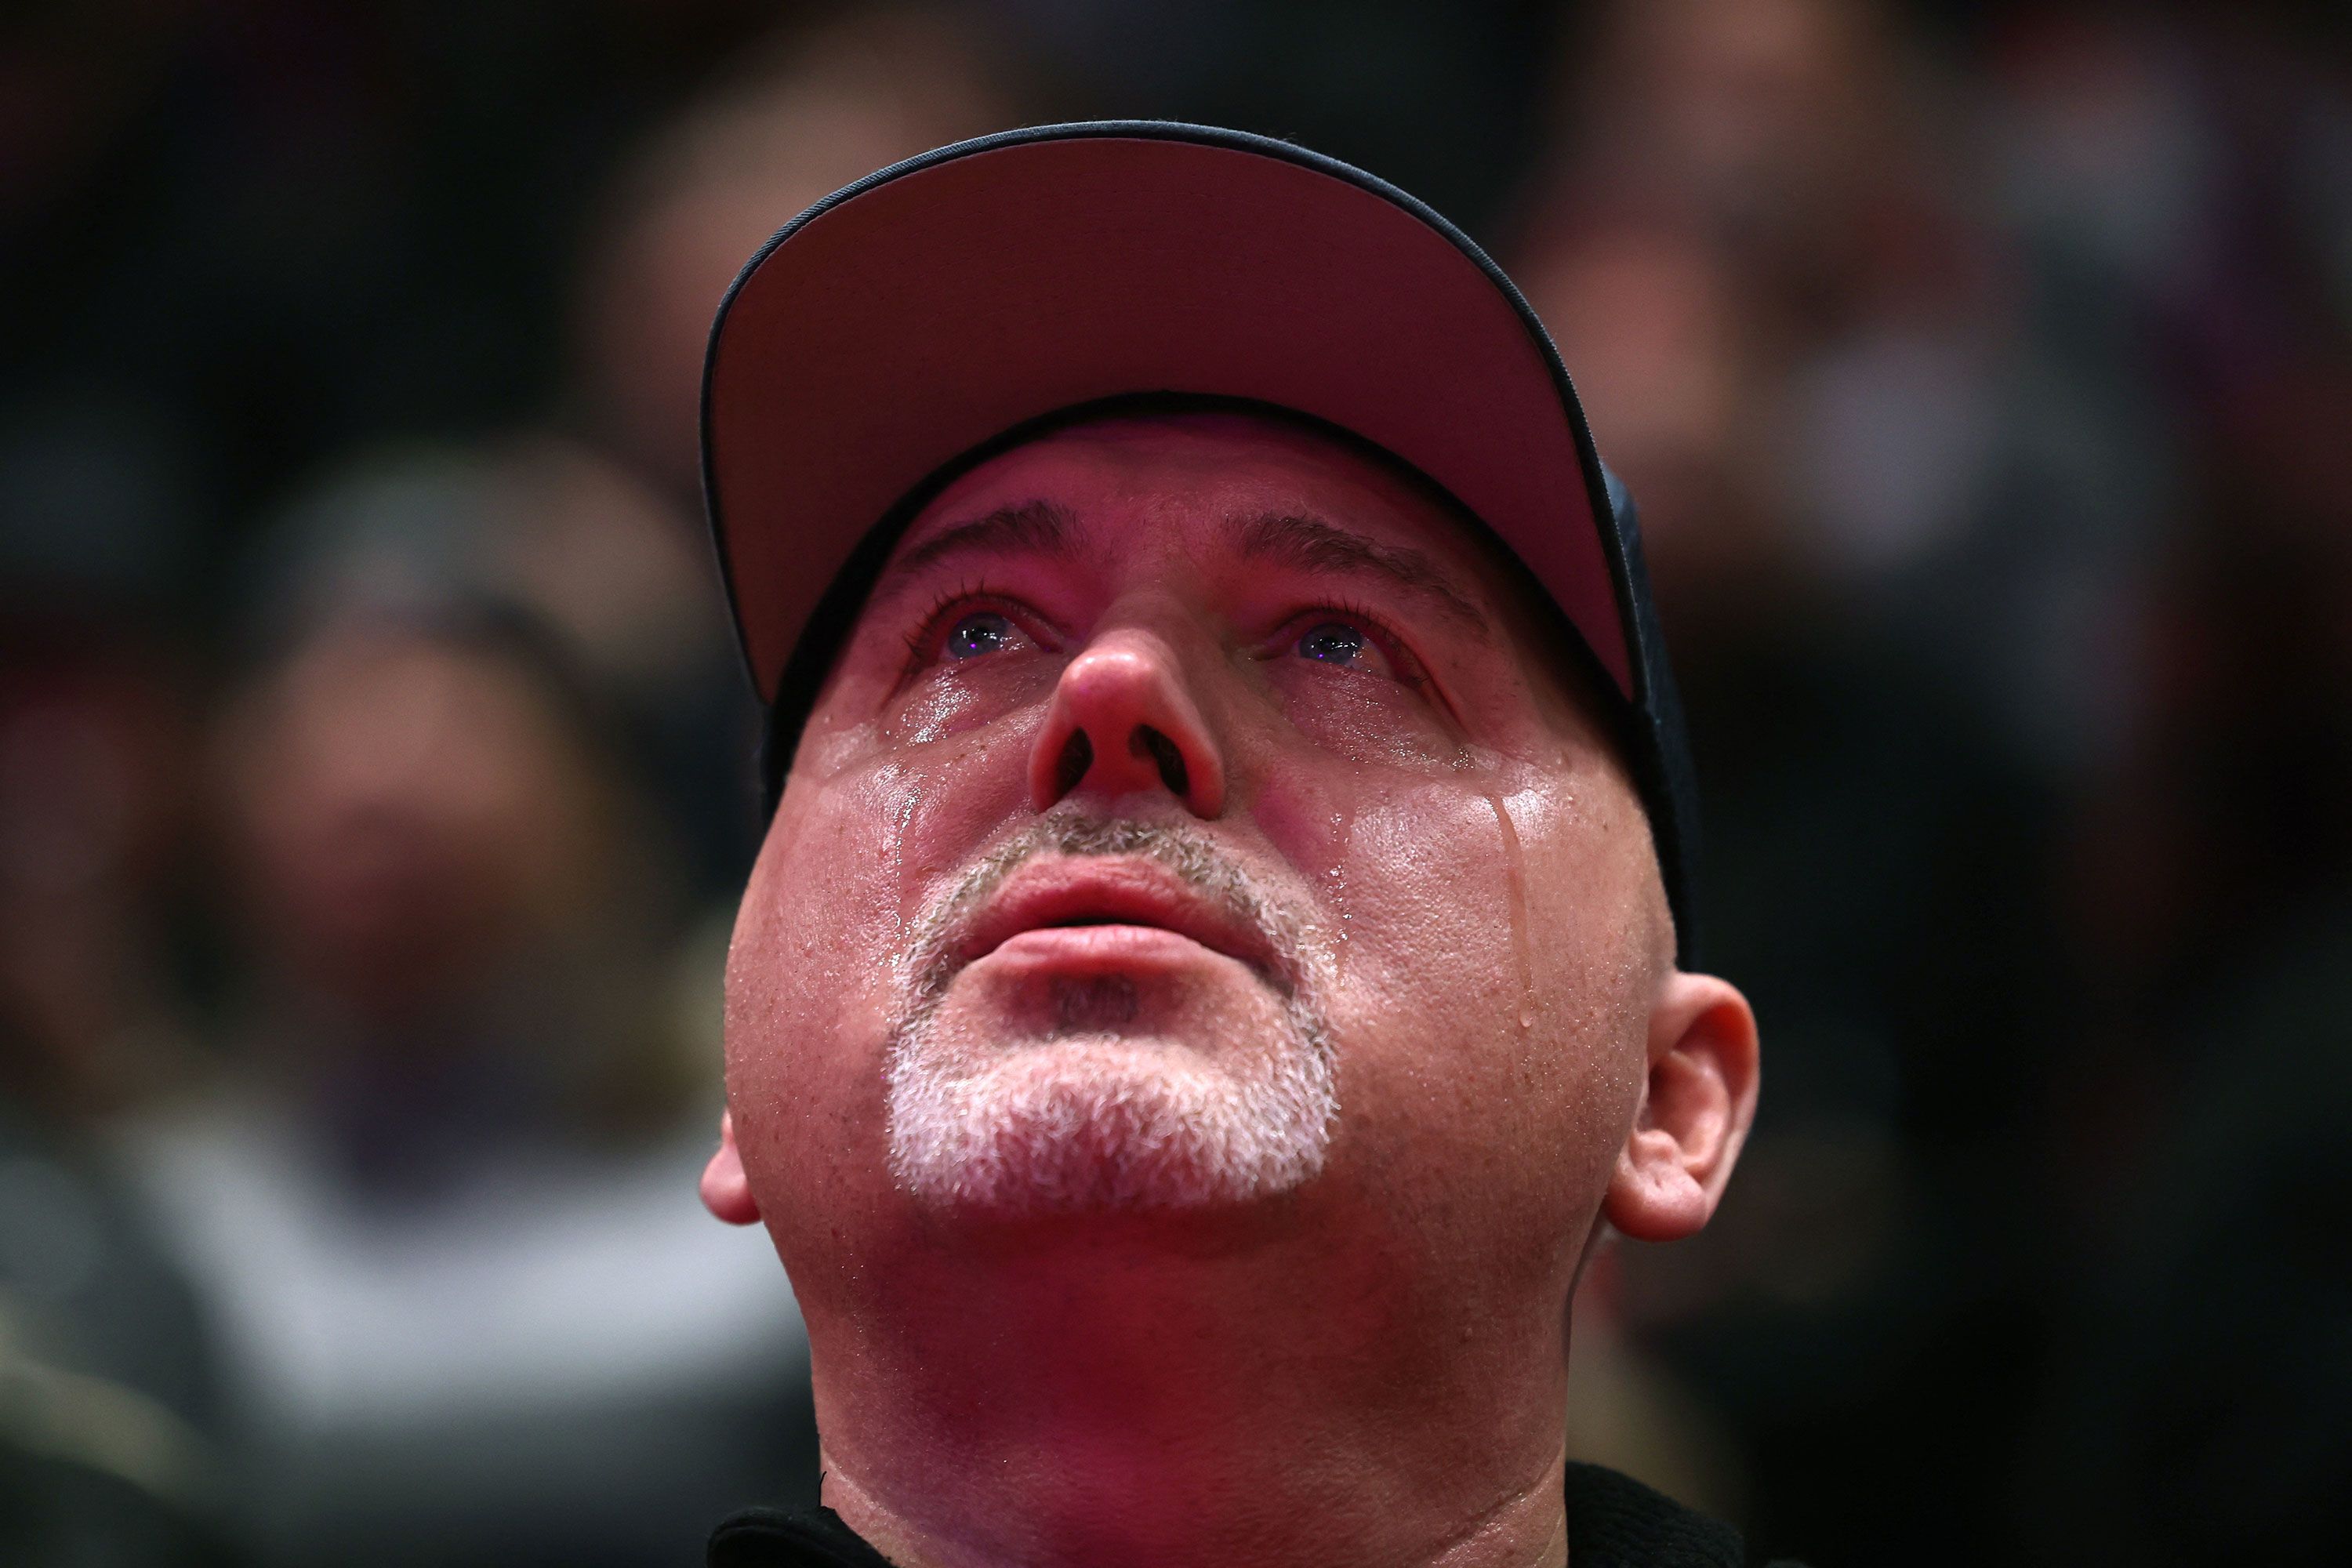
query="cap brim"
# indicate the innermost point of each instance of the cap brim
(945, 300)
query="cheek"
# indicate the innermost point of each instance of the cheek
(1489, 1010)
(953, 797)
(808, 980)
(1595, 911)
(956, 700)
(1431, 926)
(855, 854)
(912, 815)
(1308, 816)
(1362, 720)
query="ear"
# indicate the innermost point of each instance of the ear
(1695, 1114)
(726, 1191)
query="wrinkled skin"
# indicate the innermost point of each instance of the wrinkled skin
(1367, 1363)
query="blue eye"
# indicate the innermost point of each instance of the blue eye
(1333, 642)
(983, 631)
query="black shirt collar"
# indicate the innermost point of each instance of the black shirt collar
(1613, 1522)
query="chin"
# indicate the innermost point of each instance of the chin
(1106, 1122)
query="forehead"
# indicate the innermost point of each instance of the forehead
(1196, 479)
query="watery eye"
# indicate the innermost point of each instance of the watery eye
(1333, 642)
(983, 631)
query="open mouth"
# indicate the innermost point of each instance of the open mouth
(1086, 893)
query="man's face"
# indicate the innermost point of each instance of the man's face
(1195, 826)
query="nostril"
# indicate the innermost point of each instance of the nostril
(1077, 756)
(1148, 742)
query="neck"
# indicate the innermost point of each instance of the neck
(1118, 1398)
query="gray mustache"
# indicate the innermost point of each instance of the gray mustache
(934, 956)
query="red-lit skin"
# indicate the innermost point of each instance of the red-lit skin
(1373, 1367)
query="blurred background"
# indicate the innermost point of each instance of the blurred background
(374, 792)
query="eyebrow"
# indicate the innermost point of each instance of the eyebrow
(1311, 545)
(1288, 539)
(1032, 527)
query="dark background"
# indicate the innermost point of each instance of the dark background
(1984, 373)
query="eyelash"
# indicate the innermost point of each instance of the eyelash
(966, 595)
(922, 641)
(1409, 668)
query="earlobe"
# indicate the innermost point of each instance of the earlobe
(1695, 1114)
(726, 1191)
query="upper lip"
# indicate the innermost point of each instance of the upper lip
(1113, 890)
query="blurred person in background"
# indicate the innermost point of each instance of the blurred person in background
(98, 678)
(1870, 860)
(2198, 1407)
(1752, 252)
(94, 742)
(2175, 177)
(111, 1440)
(463, 1035)
(787, 119)
(1915, 382)
(1957, 492)
(462, 1317)
(108, 1393)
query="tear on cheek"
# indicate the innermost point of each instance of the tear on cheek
(949, 702)
(1308, 815)
(1371, 721)
(933, 711)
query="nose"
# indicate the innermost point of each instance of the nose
(1122, 721)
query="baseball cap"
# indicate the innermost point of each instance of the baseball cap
(912, 321)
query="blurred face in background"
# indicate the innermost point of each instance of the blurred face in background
(1762, 111)
(408, 813)
(93, 749)
(1677, 369)
(790, 127)
(1199, 828)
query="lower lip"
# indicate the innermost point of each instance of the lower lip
(1103, 947)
